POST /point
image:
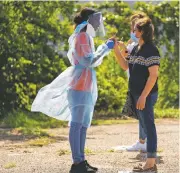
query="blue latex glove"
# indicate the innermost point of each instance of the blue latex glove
(110, 44)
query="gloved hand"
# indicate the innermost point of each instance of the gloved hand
(110, 44)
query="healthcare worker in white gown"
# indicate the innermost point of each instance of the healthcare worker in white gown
(73, 94)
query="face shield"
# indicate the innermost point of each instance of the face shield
(95, 25)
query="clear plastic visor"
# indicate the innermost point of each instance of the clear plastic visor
(96, 20)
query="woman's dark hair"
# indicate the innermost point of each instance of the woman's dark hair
(145, 26)
(83, 15)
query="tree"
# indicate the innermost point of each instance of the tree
(34, 44)
(32, 34)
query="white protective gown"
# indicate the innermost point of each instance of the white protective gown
(73, 94)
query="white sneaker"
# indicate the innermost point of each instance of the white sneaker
(137, 147)
(119, 148)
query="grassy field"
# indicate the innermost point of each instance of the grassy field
(34, 124)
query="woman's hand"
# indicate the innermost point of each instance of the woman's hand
(121, 44)
(129, 41)
(113, 38)
(141, 103)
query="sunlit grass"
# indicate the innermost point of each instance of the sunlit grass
(63, 152)
(89, 151)
(26, 119)
(34, 124)
(160, 150)
(40, 142)
(111, 151)
(112, 121)
(34, 132)
(10, 165)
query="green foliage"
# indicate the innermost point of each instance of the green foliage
(112, 86)
(33, 52)
(32, 34)
(112, 82)
(167, 113)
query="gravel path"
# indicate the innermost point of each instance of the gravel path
(16, 156)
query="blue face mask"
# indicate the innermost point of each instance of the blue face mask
(133, 37)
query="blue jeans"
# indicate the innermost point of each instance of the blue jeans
(146, 118)
(77, 138)
(81, 107)
(142, 134)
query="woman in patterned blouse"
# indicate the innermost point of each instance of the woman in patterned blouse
(143, 63)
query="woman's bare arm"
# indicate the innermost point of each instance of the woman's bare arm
(120, 57)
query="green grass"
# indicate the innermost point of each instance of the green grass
(33, 124)
(20, 118)
(89, 151)
(111, 151)
(10, 165)
(43, 141)
(159, 150)
(34, 132)
(112, 121)
(63, 152)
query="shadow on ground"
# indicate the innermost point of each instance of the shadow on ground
(7, 134)
(141, 157)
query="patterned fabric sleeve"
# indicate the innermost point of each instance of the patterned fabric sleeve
(153, 57)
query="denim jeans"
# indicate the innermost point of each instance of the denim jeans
(142, 134)
(81, 107)
(146, 118)
(77, 138)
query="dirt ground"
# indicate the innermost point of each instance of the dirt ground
(17, 156)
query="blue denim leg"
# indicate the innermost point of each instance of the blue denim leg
(81, 107)
(74, 139)
(82, 142)
(146, 118)
(142, 134)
